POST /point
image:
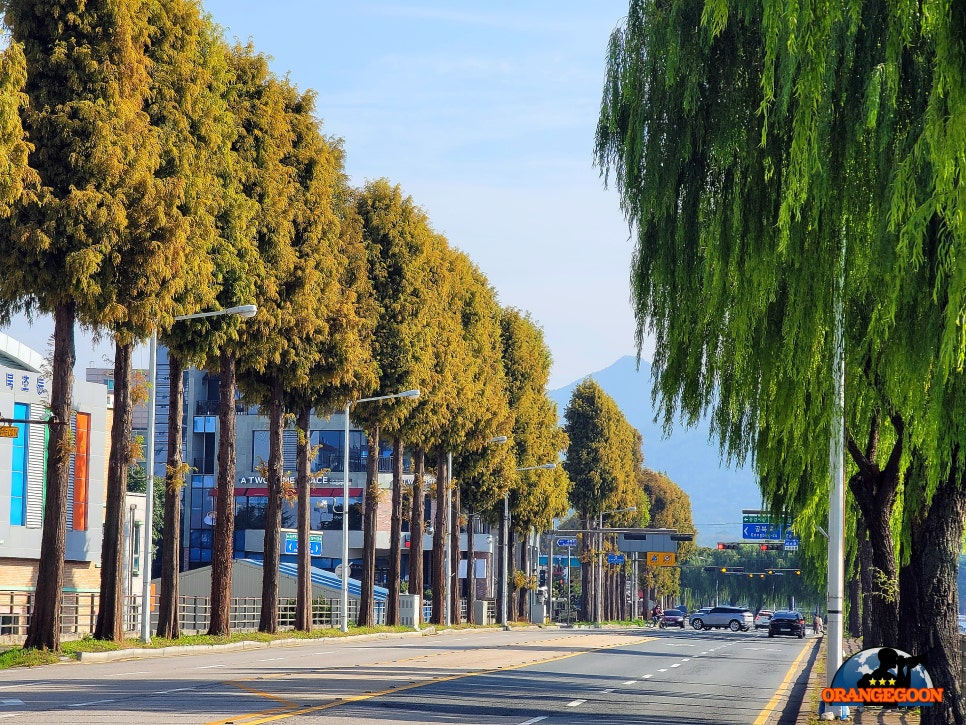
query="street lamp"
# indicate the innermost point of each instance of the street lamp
(345, 498)
(448, 577)
(600, 560)
(243, 311)
(506, 542)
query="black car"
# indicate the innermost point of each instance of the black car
(787, 622)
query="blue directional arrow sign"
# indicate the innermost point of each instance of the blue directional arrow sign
(758, 532)
(567, 542)
(615, 558)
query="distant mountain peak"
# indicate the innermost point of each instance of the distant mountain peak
(688, 456)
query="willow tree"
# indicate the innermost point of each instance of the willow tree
(87, 82)
(397, 237)
(789, 171)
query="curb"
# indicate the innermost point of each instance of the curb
(140, 653)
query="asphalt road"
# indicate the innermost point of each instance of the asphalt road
(521, 677)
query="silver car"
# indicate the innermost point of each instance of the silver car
(734, 618)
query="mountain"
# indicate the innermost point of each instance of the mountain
(688, 456)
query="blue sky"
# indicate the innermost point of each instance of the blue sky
(485, 115)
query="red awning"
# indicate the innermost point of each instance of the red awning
(316, 492)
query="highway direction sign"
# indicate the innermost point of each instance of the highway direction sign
(292, 543)
(661, 558)
(567, 542)
(615, 558)
(757, 532)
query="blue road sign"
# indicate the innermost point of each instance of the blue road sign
(567, 542)
(615, 558)
(291, 543)
(759, 532)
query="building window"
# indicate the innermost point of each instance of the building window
(18, 482)
(82, 455)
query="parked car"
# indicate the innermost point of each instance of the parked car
(787, 621)
(734, 618)
(673, 618)
(763, 618)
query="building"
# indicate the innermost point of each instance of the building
(201, 400)
(24, 393)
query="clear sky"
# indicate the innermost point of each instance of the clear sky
(483, 113)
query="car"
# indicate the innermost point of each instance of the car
(787, 621)
(673, 618)
(763, 618)
(734, 618)
(698, 614)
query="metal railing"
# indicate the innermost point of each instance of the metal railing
(78, 614)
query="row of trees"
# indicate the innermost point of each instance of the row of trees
(790, 171)
(152, 170)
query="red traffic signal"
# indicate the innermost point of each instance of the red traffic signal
(723, 545)
(772, 547)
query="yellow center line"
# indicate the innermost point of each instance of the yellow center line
(432, 681)
(782, 692)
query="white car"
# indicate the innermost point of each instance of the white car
(763, 618)
(699, 614)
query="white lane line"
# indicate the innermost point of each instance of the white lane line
(11, 714)
(676, 664)
(11, 702)
(705, 652)
(271, 659)
(576, 703)
(168, 692)
(663, 670)
(533, 720)
(22, 684)
(630, 682)
(646, 676)
(85, 704)
(328, 652)
(209, 667)
(609, 689)
(128, 674)
(686, 659)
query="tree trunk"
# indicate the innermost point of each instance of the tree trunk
(268, 618)
(586, 569)
(367, 612)
(169, 625)
(44, 630)
(439, 539)
(524, 591)
(303, 595)
(395, 534)
(223, 545)
(454, 559)
(502, 579)
(865, 576)
(416, 531)
(110, 623)
(471, 565)
(930, 598)
(874, 490)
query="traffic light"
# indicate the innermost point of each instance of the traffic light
(543, 577)
(772, 547)
(726, 545)
(798, 571)
(709, 569)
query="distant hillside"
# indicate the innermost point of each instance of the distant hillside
(688, 456)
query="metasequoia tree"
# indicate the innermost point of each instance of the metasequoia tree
(669, 508)
(397, 237)
(95, 155)
(189, 82)
(598, 454)
(790, 171)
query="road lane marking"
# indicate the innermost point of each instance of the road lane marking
(608, 690)
(576, 703)
(179, 689)
(686, 659)
(209, 667)
(663, 669)
(531, 721)
(23, 684)
(11, 702)
(271, 659)
(413, 685)
(85, 704)
(676, 664)
(630, 682)
(646, 676)
(784, 687)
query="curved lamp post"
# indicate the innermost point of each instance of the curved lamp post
(243, 311)
(506, 542)
(345, 498)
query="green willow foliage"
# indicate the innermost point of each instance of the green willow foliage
(755, 147)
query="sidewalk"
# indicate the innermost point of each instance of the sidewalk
(808, 711)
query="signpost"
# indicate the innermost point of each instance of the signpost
(661, 558)
(9, 431)
(761, 531)
(292, 543)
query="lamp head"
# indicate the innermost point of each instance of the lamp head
(243, 311)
